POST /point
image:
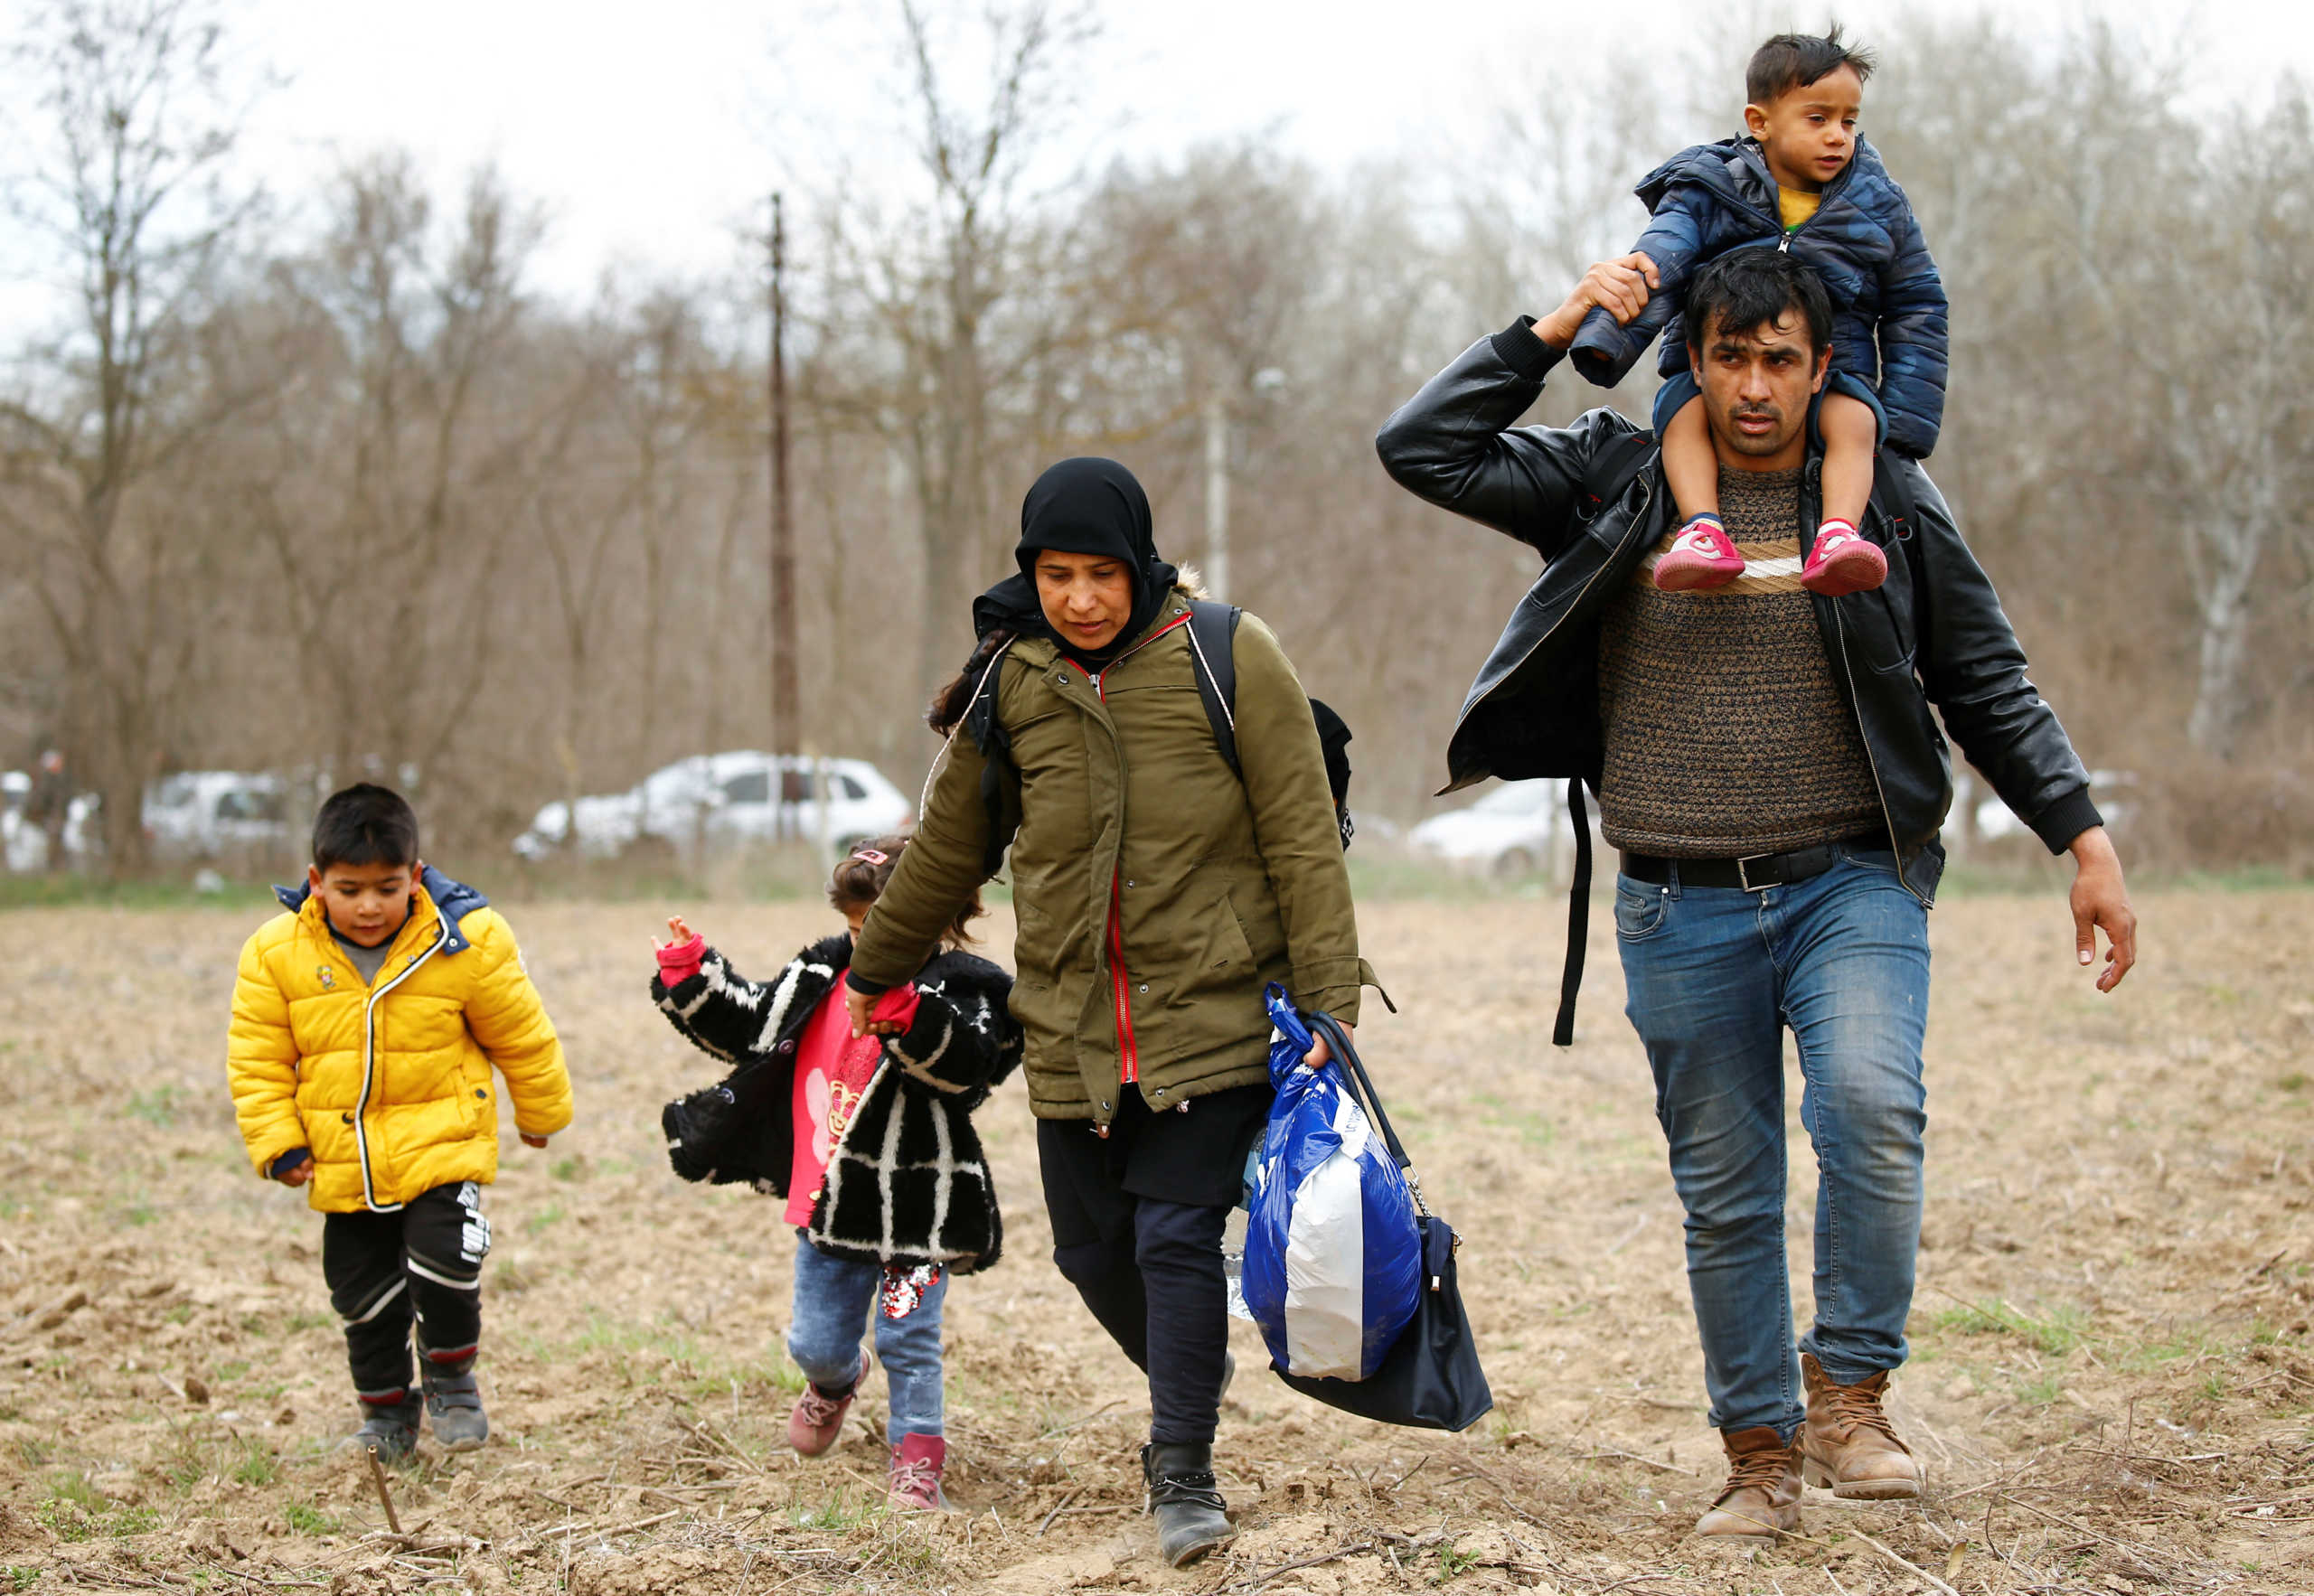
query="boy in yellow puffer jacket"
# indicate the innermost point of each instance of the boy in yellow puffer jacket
(365, 1023)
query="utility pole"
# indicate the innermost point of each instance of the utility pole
(787, 712)
(1216, 497)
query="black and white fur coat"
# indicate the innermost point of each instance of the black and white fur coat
(907, 1183)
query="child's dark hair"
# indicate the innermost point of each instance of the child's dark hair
(1747, 288)
(861, 878)
(949, 704)
(365, 824)
(1793, 60)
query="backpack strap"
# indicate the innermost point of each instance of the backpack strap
(1607, 475)
(1613, 467)
(1213, 644)
(1578, 916)
(995, 745)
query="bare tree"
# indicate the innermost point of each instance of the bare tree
(919, 287)
(134, 133)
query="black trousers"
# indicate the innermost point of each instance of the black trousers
(1150, 1267)
(421, 1265)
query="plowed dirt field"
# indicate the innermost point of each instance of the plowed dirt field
(2112, 1383)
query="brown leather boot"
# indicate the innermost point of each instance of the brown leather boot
(1847, 1443)
(1762, 1497)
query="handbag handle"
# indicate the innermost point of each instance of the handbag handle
(1346, 1053)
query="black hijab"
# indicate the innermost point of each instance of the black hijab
(1082, 506)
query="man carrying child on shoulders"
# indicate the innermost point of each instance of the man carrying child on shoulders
(1764, 756)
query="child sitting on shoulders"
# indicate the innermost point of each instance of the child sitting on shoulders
(869, 1140)
(1803, 179)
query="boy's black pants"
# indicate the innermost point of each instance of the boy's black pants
(422, 1265)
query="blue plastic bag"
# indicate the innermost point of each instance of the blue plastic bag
(1333, 1253)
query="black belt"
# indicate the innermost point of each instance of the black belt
(1752, 873)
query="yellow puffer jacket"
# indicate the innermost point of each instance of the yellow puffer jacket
(389, 1085)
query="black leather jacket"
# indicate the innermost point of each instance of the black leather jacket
(1933, 633)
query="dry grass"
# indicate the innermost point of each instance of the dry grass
(2112, 1382)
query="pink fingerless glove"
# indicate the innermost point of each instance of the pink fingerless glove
(679, 962)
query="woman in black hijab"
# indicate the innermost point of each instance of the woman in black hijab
(1157, 890)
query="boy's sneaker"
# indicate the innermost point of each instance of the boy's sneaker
(389, 1429)
(1701, 556)
(1843, 560)
(818, 1416)
(915, 1482)
(454, 1404)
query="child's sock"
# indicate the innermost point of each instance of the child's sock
(1701, 555)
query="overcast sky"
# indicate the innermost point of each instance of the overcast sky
(649, 130)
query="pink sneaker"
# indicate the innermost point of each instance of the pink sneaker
(1843, 561)
(914, 1483)
(818, 1418)
(1701, 556)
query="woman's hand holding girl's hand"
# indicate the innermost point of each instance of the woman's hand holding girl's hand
(881, 1014)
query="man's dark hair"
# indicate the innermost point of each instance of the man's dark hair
(365, 824)
(1747, 288)
(1793, 60)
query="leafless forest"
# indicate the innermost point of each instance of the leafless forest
(321, 480)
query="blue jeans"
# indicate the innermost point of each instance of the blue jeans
(1714, 975)
(834, 1298)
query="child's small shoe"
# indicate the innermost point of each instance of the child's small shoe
(818, 1418)
(454, 1405)
(1843, 561)
(915, 1482)
(389, 1429)
(1701, 556)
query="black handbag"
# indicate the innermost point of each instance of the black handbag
(1430, 1379)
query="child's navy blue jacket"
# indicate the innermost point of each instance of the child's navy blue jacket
(1863, 242)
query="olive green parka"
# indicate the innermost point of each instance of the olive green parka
(1156, 892)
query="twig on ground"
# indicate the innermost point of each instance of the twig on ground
(1409, 1474)
(1911, 1568)
(1078, 1423)
(385, 1497)
(615, 1529)
(1610, 1452)
(1356, 1549)
(2123, 1547)
(1074, 1492)
(722, 1443)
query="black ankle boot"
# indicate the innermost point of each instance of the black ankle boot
(1188, 1503)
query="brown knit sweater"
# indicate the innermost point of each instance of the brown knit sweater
(1725, 733)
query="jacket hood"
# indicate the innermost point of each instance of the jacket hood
(453, 901)
(1738, 170)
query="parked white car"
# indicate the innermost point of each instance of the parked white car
(23, 846)
(202, 813)
(722, 800)
(1518, 829)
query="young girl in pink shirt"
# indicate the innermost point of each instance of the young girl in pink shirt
(868, 1140)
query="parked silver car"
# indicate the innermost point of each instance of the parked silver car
(722, 800)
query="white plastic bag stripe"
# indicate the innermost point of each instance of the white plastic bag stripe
(1325, 1272)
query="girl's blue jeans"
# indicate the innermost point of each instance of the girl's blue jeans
(1714, 975)
(834, 1300)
